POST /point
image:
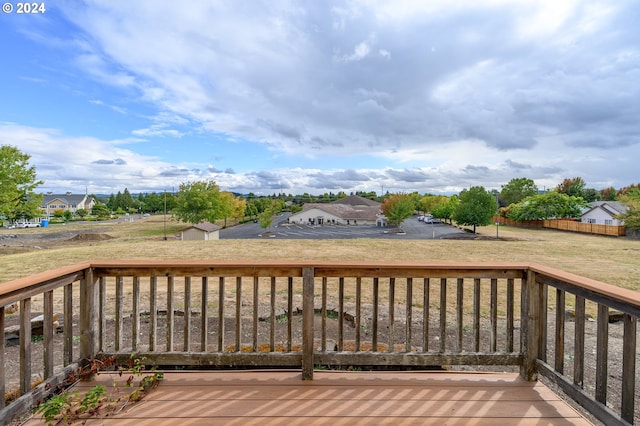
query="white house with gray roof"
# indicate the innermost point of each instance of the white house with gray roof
(66, 202)
(603, 213)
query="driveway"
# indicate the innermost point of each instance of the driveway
(413, 228)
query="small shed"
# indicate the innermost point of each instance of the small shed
(201, 231)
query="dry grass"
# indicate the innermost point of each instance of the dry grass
(609, 259)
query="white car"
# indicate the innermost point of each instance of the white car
(27, 225)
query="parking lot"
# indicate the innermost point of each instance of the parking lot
(413, 229)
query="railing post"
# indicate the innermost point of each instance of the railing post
(88, 314)
(531, 327)
(307, 322)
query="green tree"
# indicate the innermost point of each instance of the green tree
(398, 207)
(269, 208)
(516, 190)
(101, 211)
(17, 185)
(476, 208)
(552, 205)
(82, 213)
(572, 187)
(199, 201)
(446, 209)
(631, 217)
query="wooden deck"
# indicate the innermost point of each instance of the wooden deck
(338, 397)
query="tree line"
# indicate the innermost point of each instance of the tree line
(519, 199)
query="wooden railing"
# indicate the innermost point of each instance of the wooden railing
(337, 315)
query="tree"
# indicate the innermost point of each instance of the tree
(398, 207)
(199, 201)
(608, 194)
(476, 208)
(446, 209)
(572, 187)
(551, 205)
(631, 217)
(17, 185)
(516, 190)
(270, 208)
(101, 211)
(82, 213)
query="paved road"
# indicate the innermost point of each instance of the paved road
(413, 228)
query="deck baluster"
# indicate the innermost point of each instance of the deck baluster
(443, 315)
(629, 368)
(186, 344)
(425, 314)
(559, 345)
(204, 314)
(25, 345)
(578, 357)
(602, 353)
(135, 316)
(459, 313)
(47, 332)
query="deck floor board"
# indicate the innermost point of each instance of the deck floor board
(339, 397)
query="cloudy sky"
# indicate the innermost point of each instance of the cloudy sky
(322, 96)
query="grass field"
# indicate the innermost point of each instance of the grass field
(608, 259)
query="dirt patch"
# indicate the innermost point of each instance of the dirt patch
(90, 237)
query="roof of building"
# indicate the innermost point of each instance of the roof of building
(205, 226)
(356, 200)
(68, 198)
(611, 207)
(346, 211)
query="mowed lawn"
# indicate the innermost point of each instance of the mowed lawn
(612, 260)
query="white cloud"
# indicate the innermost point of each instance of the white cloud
(457, 91)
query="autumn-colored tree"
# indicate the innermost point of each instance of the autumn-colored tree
(398, 207)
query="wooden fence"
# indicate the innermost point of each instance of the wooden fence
(567, 225)
(303, 315)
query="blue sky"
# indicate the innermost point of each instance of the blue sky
(302, 96)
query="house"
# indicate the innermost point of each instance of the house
(351, 210)
(66, 202)
(603, 212)
(201, 231)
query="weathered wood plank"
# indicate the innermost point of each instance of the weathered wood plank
(493, 316)
(307, 324)
(170, 312)
(135, 315)
(2, 345)
(47, 332)
(559, 335)
(459, 313)
(25, 345)
(67, 355)
(119, 332)
(443, 314)
(204, 318)
(425, 313)
(409, 315)
(602, 354)
(153, 313)
(186, 333)
(578, 354)
(629, 368)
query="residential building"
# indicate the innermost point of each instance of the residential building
(66, 202)
(603, 213)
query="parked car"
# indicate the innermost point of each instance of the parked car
(431, 220)
(27, 225)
